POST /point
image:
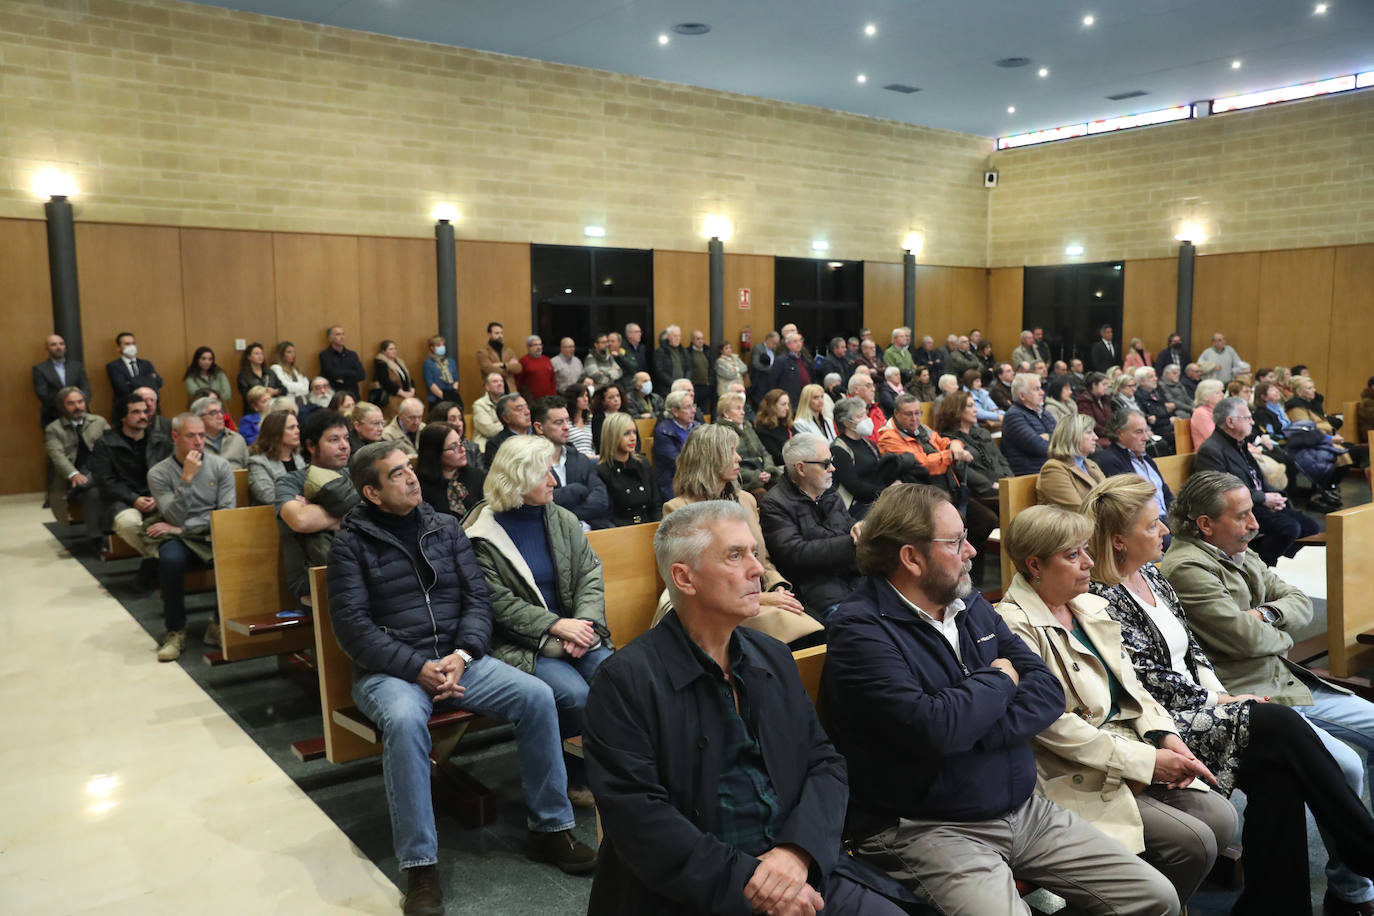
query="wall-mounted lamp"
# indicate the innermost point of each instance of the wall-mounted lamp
(594, 232)
(1191, 232)
(1074, 251)
(913, 242)
(717, 227)
(820, 245)
(445, 213)
(52, 183)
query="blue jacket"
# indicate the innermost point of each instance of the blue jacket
(669, 438)
(1021, 443)
(384, 618)
(925, 735)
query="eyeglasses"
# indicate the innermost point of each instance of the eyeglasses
(453, 448)
(827, 463)
(958, 542)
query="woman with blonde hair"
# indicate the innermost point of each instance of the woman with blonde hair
(1123, 392)
(708, 468)
(757, 471)
(626, 473)
(1265, 749)
(815, 413)
(548, 606)
(1137, 356)
(295, 384)
(1114, 756)
(1068, 474)
(256, 400)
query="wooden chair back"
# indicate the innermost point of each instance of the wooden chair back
(1352, 432)
(927, 412)
(1183, 436)
(1013, 495)
(1175, 469)
(335, 671)
(632, 582)
(243, 494)
(250, 582)
(810, 664)
(1349, 583)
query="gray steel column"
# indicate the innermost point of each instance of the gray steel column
(66, 299)
(716, 250)
(909, 290)
(446, 274)
(1183, 315)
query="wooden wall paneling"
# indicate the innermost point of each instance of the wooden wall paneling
(1150, 301)
(228, 290)
(1350, 363)
(1006, 287)
(26, 297)
(397, 300)
(883, 287)
(1226, 291)
(493, 285)
(130, 279)
(316, 278)
(968, 298)
(1294, 320)
(934, 306)
(753, 272)
(682, 292)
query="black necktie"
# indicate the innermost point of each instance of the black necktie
(133, 369)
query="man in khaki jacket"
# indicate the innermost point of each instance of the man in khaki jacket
(494, 357)
(1244, 615)
(70, 442)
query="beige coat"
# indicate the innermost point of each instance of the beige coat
(488, 362)
(1061, 483)
(484, 422)
(1085, 766)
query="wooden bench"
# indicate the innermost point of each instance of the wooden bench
(810, 665)
(631, 575)
(1013, 495)
(250, 588)
(1349, 583)
(1183, 437)
(1175, 469)
(243, 493)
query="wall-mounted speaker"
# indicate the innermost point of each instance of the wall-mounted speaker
(990, 178)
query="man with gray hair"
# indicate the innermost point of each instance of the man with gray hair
(836, 362)
(928, 356)
(219, 439)
(1026, 353)
(404, 428)
(1171, 387)
(567, 368)
(1244, 616)
(1157, 410)
(187, 486)
(1281, 526)
(899, 354)
(862, 386)
(670, 361)
(411, 608)
(514, 414)
(755, 824)
(1026, 427)
(809, 532)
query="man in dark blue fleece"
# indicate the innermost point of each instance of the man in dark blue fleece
(411, 608)
(934, 702)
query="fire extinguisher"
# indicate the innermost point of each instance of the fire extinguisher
(744, 339)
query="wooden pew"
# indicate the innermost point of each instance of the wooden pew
(1014, 494)
(243, 494)
(631, 575)
(1183, 437)
(810, 664)
(250, 587)
(1349, 583)
(927, 412)
(1175, 469)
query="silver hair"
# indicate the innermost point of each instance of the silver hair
(856, 380)
(672, 327)
(675, 398)
(200, 405)
(896, 331)
(1021, 382)
(180, 420)
(800, 448)
(532, 338)
(681, 384)
(892, 372)
(1225, 409)
(1171, 371)
(1203, 493)
(685, 535)
(847, 409)
(520, 465)
(947, 381)
(829, 376)
(1206, 388)
(1142, 373)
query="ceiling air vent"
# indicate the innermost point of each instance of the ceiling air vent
(691, 28)
(902, 88)
(1133, 94)
(1010, 62)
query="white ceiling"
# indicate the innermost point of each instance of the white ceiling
(811, 51)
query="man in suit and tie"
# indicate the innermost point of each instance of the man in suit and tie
(1130, 435)
(1104, 354)
(55, 373)
(761, 363)
(128, 372)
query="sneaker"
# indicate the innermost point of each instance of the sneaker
(171, 647)
(1333, 906)
(581, 797)
(424, 896)
(211, 637)
(561, 848)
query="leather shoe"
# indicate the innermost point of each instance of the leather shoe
(1331, 906)
(424, 896)
(563, 849)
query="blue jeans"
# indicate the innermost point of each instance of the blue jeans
(491, 688)
(1342, 719)
(568, 678)
(173, 559)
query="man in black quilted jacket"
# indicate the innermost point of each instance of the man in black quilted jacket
(410, 607)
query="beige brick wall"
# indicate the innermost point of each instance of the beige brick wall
(185, 115)
(1291, 176)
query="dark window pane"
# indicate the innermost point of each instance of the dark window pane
(559, 271)
(794, 278)
(623, 272)
(1072, 302)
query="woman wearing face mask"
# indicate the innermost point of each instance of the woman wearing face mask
(856, 457)
(440, 373)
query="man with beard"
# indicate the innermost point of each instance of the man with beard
(1171, 355)
(318, 399)
(70, 441)
(934, 703)
(495, 358)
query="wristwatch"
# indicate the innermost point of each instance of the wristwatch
(465, 655)
(1268, 614)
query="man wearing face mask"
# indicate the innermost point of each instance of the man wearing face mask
(1172, 355)
(128, 372)
(643, 402)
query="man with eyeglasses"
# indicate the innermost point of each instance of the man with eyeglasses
(1227, 449)
(809, 532)
(219, 439)
(934, 704)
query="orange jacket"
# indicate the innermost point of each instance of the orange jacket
(892, 441)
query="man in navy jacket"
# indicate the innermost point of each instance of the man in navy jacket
(934, 704)
(411, 608)
(1026, 426)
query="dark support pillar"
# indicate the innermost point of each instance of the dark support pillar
(716, 249)
(1183, 315)
(66, 300)
(446, 274)
(909, 291)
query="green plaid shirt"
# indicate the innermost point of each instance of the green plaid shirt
(747, 815)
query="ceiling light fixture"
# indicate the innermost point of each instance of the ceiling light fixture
(691, 28)
(834, 264)
(1319, 8)
(445, 213)
(594, 232)
(870, 30)
(663, 39)
(1011, 109)
(1044, 71)
(52, 183)
(1191, 232)
(1074, 251)
(1089, 19)
(820, 245)
(862, 79)
(913, 242)
(717, 227)
(1235, 65)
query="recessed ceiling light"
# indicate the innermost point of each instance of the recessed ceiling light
(1235, 65)
(862, 78)
(1074, 251)
(663, 39)
(1011, 109)
(594, 232)
(567, 289)
(1098, 294)
(834, 264)
(1089, 19)
(870, 30)
(1319, 8)
(819, 245)
(1044, 71)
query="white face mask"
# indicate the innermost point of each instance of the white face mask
(440, 350)
(130, 352)
(647, 387)
(864, 427)
(591, 390)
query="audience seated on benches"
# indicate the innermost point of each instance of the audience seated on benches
(120, 462)
(1026, 427)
